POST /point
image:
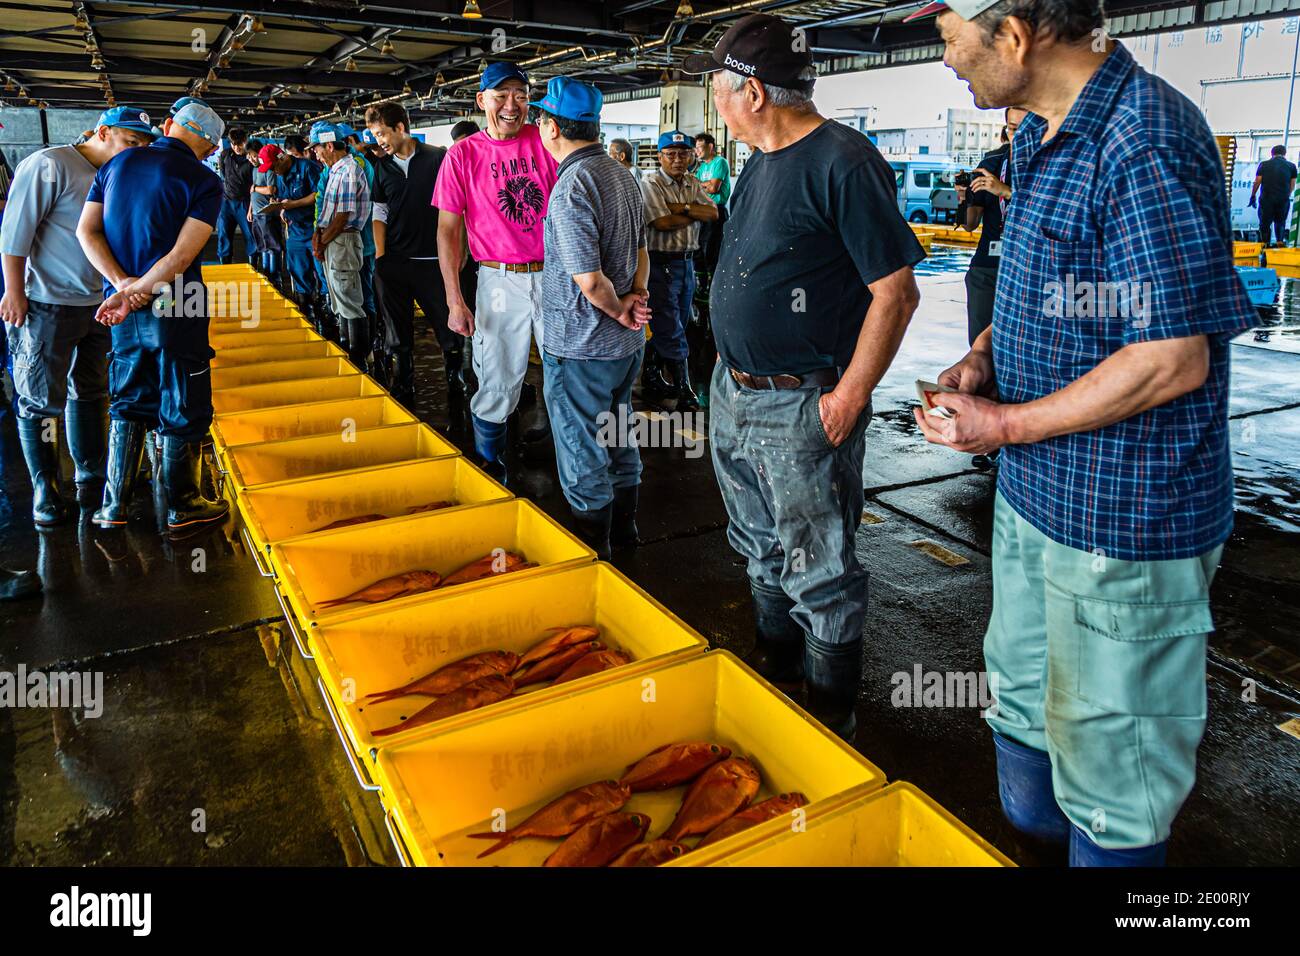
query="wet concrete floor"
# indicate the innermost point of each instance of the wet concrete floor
(213, 747)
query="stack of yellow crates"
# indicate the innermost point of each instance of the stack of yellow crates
(305, 444)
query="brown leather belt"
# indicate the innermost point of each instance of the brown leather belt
(515, 266)
(819, 377)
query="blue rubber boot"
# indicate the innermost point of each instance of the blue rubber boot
(1083, 852)
(1025, 789)
(490, 442)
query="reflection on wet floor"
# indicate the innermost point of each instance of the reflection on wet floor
(208, 708)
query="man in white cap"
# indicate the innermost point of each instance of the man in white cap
(146, 220)
(51, 294)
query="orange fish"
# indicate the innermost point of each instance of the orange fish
(673, 764)
(592, 663)
(431, 506)
(349, 522)
(556, 664)
(486, 567)
(472, 696)
(601, 841)
(714, 796)
(561, 637)
(650, 854)
(450, 676)
(752, 816)
(563, 815)
(385, 589)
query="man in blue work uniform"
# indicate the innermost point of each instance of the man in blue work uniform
(295, 204)
(148, 215)
(369, 300)
(1115, 483)
(236, 186)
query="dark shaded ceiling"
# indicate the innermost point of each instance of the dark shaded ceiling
(275, 62)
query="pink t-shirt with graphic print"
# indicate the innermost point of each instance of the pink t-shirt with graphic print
(501, 187)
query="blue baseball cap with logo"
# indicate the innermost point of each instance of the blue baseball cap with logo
(498, 73)
(571, 99)
(126, 117)
(676, 139)
(344, 130)
(201, 120)
(182, 102)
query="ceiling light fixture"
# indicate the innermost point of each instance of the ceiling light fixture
(350, 66)
(81, 23)
(684, 9)
(440, 79)
(387, 48)
(257, 26)
(471, 11)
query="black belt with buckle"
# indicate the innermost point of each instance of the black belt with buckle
(672, 256)
(819, 377)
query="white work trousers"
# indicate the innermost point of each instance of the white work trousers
(507, 315)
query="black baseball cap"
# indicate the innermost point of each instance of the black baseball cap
(759, 45)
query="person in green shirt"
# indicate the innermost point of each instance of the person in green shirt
(715, 176)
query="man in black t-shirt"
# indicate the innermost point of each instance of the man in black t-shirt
(985, 202)
(1274, 184)
(406, 248)
(236, 188)
(811, 297)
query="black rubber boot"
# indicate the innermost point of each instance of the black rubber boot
(42, 457)
(778, 638)
(622, 528)
(539, 424)
(454, 361)
(356, 341)
(323, 321)
(18, 584)
(403, 382)
(655, 387)
(182, 467)
(86, 423)
(593, 528)
(125, 450)
(686, 398)
(832, 673)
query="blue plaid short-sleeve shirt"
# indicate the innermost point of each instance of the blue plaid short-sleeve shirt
(1119, 232)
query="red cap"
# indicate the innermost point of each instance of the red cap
(268, 154)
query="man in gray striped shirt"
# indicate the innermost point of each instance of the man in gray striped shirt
(594, 309)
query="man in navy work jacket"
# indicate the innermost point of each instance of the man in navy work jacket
(147, 217)
(1104, 380)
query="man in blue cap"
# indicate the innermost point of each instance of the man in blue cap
(146, 220)
(343, 211)
(1115, 485)
(676, 205)
(51, 294)
(494, 185)
(595, 308)
(369, 300)
(295, 192)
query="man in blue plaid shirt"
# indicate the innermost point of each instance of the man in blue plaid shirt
(1104, 379)
(337, 242)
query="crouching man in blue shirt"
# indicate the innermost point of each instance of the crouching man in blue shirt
(1104, 379)
(146, 219)
(595, 306)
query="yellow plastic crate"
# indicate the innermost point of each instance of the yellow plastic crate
(240, 340)
(1247, 250)
(897, 826)
(294, 392)
(280, 371)
(445, 784)
(288, 509)
(299, 421)
(330, 564)
(1288, 258)
(263, 462)
(360, 654)
(276, 352)
(239, 326)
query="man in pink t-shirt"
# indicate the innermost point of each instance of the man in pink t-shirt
(495, 184)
